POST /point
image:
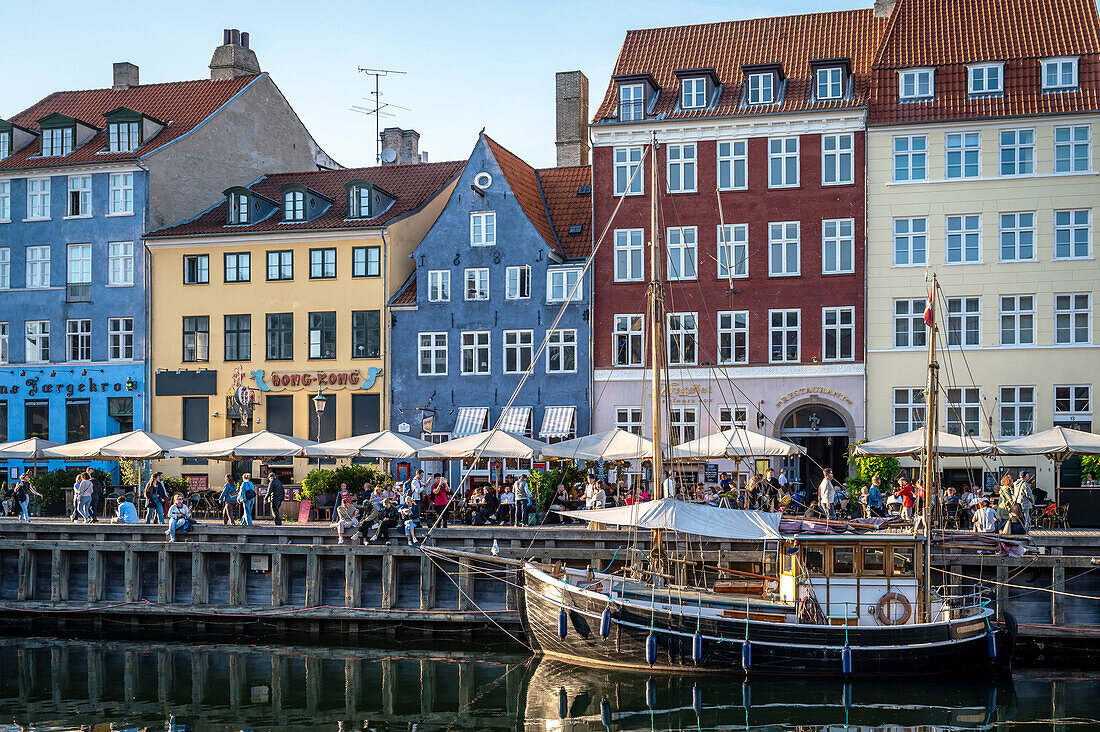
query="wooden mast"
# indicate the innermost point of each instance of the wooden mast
(656, 307)
(928, 460)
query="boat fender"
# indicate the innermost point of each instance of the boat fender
(605, 623)
(846, 695)
(605, 712)
(991, 645)
(563, 703)
(746, 695)
(563, 624)
(883, 617)
(697, 699)
(846, 660)
(697, 648)
(746, 655)
(651, 693)
(651, 649)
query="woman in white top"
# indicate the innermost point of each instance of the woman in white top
(507, 508)
(179, 518)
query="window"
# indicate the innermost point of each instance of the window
(629, 419)
(120, 263)
(910, 242)
(477, 283)
(80, 195)
(120, 410)
(838, 246)
(628, 171)
(733, 164)
(322, 264)
(196, 269)
(294, 206)
(631, 102)
(1071, 318)
(784, 330)
(683, 337)
(518, 282)
(561, 283)
(280, 336)
(5, 268)
(38, 198)
(57, 141)
(38, 266)
(77, 418)
(5, 200)
(964, 411)
(836, 159)
(693, 93)
(629, 340)
(1017, 237)
(839, 334)
(123, 136)
(239, 208)
(681, 168)
(37, 419)
(366, 262)
(1071, 233)
(1059, 74)
(37, 341)
(475, 352)
(1071, 151)
(910, 158)
(682, 423)
(5, 145)
(280, 265)
(322, 335)
(483, 229)
(120, 193)
(829, 83)
(1017, 320)
(359, 202)
(782, 162)
(964, 153)
(1017, 411)
(964, 321)
(783, 245)
(433, 354)
(985, 79)
(80, 264)
(366, 334)
(1072, 401)
(628, 255)
(761, 88)
(238, 267)
(78, 339)
(909, 328)
(682, 253)
(238, 337)
(733, 336)
(561, 351)
(964, 239)
(518, 350)
(196, 338)
(3, 357)
(1017, 152)
(733, 250)
(915, 84)
(730, 418)
(120, 339)
(439, 285)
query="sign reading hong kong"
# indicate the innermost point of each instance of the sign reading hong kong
(295, 380)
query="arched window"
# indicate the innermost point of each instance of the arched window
(294, 206)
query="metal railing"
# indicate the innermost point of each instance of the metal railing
(78, 292)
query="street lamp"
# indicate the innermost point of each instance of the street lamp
(319, 406)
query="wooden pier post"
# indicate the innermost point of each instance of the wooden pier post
(278, 584)
(389, 583)
(164, 578)
(1058, 600)
(1002, 590)
(351, 579)
(130, 577)
(427, 583)
(313, 584)
(93, 575)
(198, 577)
(235, 577)
(465, 587)
(57, 591)
(22, 592)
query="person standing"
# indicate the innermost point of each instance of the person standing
(669, 485)
(86, 489)
(417, 487)
(229, 502)
(179, 518)
(905, 492)
(275, 495)
(1024, 497)
(440, 498)
(24, 489)
(410, 516)
(247, 497)
(524, 504)
(154, 507)
(826, 493)
(874, 496)
(771, 488)
(1004, 496)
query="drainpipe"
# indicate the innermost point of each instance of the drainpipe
(147, 364)
(384, 406)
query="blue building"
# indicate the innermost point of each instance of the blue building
(83, 176)
(492, 276)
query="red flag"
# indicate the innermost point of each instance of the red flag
(928, 307)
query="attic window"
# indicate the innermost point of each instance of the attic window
(123, 136)
(985, 79)
(693, 93)
(239, 208)
(294, 206)
(5, 145)
(829, 83)
(1059, 74)
(761, 87)
(585, 190)
(57, 141)
(576, 229)
(631, 102)
(359, 196)
(916, 84)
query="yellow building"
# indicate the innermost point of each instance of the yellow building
(981, 170)
(285, 282)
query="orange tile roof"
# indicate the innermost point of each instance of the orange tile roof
(793, 41)
(524, 182)
(407, 294)
(568, 207)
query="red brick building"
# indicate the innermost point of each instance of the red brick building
(760, 131)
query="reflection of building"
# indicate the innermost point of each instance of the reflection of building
(982, 170)
(287, 280)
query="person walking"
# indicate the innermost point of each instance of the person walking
(85, 490)
(24, 489)
(247, 496)
(275, 495)
(179, 518)
(228, 498)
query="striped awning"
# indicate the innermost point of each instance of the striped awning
(516, 420)
(470, 421)
(558, 422)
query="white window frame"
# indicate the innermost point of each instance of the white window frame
(431, 344)
(731, 416)
(477, 283)
(1017, 235)
(39, 262)
(909, 321)
(631, 102)
(1072, 314)
(57, 141)
(294, 205)
(682, 253)
(4, 335)
(519, 345)
(985, 79)
(915, 231)
(1067, 157)
(906, 152)
(38, 199)
(439, 285)
(1068, 225)
(517, 282)
(683, 424)
(120, 194)
(683, 331)
(681, 169)
(1017, 319)
(560, 282)
(5, 268)
(81, 185)
(964, 322)
(910, 401)
(1060, 66)
(784, 329)
(835, 323)
(629, 259)
(838, 159)
(783, 246)
(1078, 407)
(39, 330)
(120, 264)
(733, 165)
(1020, 144)
(733, 337)
(781, 155)
(476, 343)
(629, 419)
(761, 87)
(78, 339)
(559, 344)
(120, 339)
(629, 171)
(831, 80)
(630, 331)
(5, 201)
(965, 230)
(964, 410)
(202, 269)
(733, 251)
(1016, 410)
(962, 151)
(78, 264)
(838, 237)
(693, 92)
(911, 81)
(123, 136)
(483, 228)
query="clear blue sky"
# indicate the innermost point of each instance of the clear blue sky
(470, 64)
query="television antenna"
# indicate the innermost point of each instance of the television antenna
(378, 110)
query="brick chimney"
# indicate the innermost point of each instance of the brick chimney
(883, 8)
(126, 75)
(400, 147)
(233, 58)
(571, 101)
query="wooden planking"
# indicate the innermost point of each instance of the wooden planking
(294, 567)
(332, 581)
(370, 581)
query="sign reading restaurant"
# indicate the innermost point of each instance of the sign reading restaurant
(295, 380)
(814, 390)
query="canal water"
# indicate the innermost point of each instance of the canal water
(51, 684)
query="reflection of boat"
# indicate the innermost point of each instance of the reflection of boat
(563, 697)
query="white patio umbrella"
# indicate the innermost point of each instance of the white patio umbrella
(611, 445)
(136, 445)
(262, 445)
(32, 449)
(911, 444)
(491, 444)
(734, 444)
(1058, 444)
(387, 445)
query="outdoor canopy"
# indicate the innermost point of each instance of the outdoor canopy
(386, 445)
(733, 443)
(687, 518)
(33, 448)
(259, 445)
(611, 445)
(136, 445)
(1057, 444)
(911, 444)
(492, 444)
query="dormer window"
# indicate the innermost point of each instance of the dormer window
(5, 145)
(359, 197)
(1059, 74)
(916, 85)
(985, 79)
(240, 208)
(693, 93)
(631, 102)
(829, 83)
(57, 141)
(123, 136)
(294, 205)
(761, 87)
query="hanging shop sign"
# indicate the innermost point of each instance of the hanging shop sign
(297, 380)
(810, 390)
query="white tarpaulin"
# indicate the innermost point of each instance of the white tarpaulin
(911, 444)
(261, 444)
(733, 443)
(610, 445)
(1057, 444)
(33, 448)
(687, 518)
(386, 445)
(491, 444)
(136, 445)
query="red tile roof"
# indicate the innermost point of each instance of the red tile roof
(792, 41)
(412, 185)
(524, 182)
(183, 105)
(948, 34)
(407, 294)
(569, 208)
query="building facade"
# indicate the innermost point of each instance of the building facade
(83, 175)
(760, 132)
(282, 287)
(982, 172)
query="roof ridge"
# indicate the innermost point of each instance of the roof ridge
(155, 83)
(735, 21)
(562, 167)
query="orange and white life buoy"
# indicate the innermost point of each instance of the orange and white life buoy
(882, 609)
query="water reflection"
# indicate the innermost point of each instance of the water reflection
(48, 684)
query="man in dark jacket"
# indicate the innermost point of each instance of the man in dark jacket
(275, 495)
(390, 518)
(770, 489)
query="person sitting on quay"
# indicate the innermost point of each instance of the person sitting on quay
(126, 512)
(489, 507)
(389, 519)
(9, 500)
(247, 496)
(179, 518)
(410, 516)
(228, 499)
(345, 517)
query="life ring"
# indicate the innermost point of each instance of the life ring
(881, 609)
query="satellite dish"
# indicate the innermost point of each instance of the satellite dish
(388, 155)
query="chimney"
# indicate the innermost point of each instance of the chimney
(883, 8)
(126, 75)
(400, 147)
(571, 100)
(233, 58)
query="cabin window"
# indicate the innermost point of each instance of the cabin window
(815, 561)
(788, 561)
(874, 560)
(844, 560)
(902, 562)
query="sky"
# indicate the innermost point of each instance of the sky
(468, 64)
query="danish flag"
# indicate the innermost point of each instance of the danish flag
(928, 307)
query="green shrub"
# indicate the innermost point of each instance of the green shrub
(176, 485)
(1090, 464)
(354, 475)
(544, 483)
(52, 486)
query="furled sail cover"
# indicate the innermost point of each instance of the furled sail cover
(687, 518)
